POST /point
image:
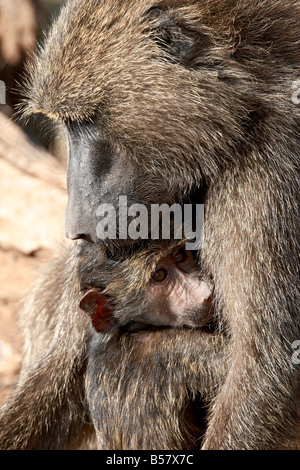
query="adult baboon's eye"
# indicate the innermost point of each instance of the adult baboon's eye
(180, 256)
(159, 275)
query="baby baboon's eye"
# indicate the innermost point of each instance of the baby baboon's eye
(180, 256)
(159, 275)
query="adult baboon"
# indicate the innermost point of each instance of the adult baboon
(160, 99)
(164, 376)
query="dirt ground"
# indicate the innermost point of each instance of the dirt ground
(32, 204)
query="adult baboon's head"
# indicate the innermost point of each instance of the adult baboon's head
(155, 99)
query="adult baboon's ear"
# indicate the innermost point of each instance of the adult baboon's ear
(177, 41)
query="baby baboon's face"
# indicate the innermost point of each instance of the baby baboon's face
(176, 293)
(174, 296)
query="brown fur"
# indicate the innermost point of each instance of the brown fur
(58, 402)
(155, 399)
(147, 387)
(46, 409)
(219, 114)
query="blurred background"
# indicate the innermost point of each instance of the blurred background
(32, 179)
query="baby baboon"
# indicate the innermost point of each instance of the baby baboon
(75, 381)
(174, 296)
(152, 383)
(158, 100)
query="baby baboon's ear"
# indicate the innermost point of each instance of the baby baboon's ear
(177, 42)
(94, 304)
